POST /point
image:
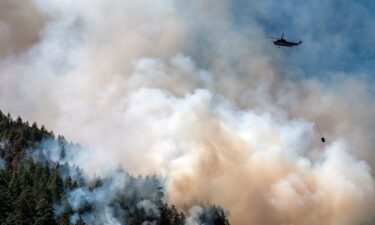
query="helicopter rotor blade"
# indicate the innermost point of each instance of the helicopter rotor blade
(272, 38)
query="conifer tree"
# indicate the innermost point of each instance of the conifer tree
(44, 213)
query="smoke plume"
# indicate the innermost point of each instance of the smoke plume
(183, 90)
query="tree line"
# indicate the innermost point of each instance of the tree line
(40, 193)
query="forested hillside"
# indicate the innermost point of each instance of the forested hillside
(16, 136)
(34, 191)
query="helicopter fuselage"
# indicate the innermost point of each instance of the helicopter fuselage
(283, 42)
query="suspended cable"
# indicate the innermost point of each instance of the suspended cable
(315, 121)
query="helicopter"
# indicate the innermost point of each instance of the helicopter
(282, 42)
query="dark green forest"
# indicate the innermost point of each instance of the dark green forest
(36, 190)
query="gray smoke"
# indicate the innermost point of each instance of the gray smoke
(3, 144)
(178, 89)
(2, 164)
(114, 198)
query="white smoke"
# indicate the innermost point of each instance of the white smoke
(193, 216)
(114, 199)
(175, 89)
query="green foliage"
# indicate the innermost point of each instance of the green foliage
(31, 191)
(17, 136)
(213, 215)
(6, 202)
(170, 216)
(25, 192)
(44, 213)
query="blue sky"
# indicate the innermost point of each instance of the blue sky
(339, 36)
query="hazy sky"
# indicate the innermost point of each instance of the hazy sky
(338, 36)
(193, 90)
